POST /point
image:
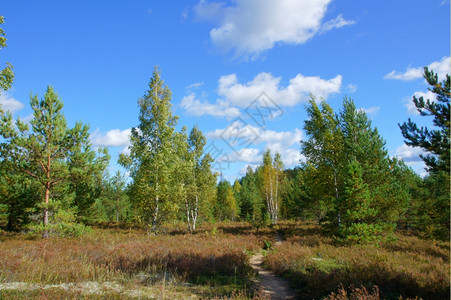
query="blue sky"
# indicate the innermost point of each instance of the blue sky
(219, 57)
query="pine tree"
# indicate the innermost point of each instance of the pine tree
(344, 151)
(436, 141)
(357, 225)
(251, 205)
(114, 202)
(152, 157)
(45, 153)
(7, 74)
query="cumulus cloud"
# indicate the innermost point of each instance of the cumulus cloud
(249, 155)
(113, 138)
(250, 27)
(199, 108)
(441, 67)
(238, 132)
(410, 155)
(242, 139)
(7, 102)
(297, 91)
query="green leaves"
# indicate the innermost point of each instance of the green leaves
(348, 171)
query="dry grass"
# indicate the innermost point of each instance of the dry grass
(213, 258)
(408, 267)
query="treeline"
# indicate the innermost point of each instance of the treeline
(348, 182)
(52, 181)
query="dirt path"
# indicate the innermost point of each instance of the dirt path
(273, 286)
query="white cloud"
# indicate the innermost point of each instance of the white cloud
(410, 155)
(352, 88)
(9, 103)
(411, 108)
(249, 155)
(441, 67)
(113, 138)
(237, 132)
(194, 85)
(291, 157)
(199, 108)
(371, 110)
(253, 26)
(297, 91)
(338, 22)
(243, 170)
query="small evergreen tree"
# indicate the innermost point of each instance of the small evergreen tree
(45, 153)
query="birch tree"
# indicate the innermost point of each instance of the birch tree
(202, 185)
(323, 150)
(271, 172)
(152, 157)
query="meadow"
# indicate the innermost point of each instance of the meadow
(119, 263)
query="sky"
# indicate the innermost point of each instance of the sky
(241, 70)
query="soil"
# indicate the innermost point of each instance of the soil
(274, 287)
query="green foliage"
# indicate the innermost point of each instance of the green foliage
(350, 175)
(435, 141)
(251, 204)
(431, 216)
(62, 224)
(226, 207)
(50, 154)
(356, 225)
(113, 203)
(152, 156)
(7, 74)
(3, 215)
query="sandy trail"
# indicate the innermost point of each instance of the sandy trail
(273, 286)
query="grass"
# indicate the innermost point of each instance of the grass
(211, 263)
(407, 267)
(119, 262)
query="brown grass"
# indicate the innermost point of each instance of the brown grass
(408, 267)
(212, 257)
